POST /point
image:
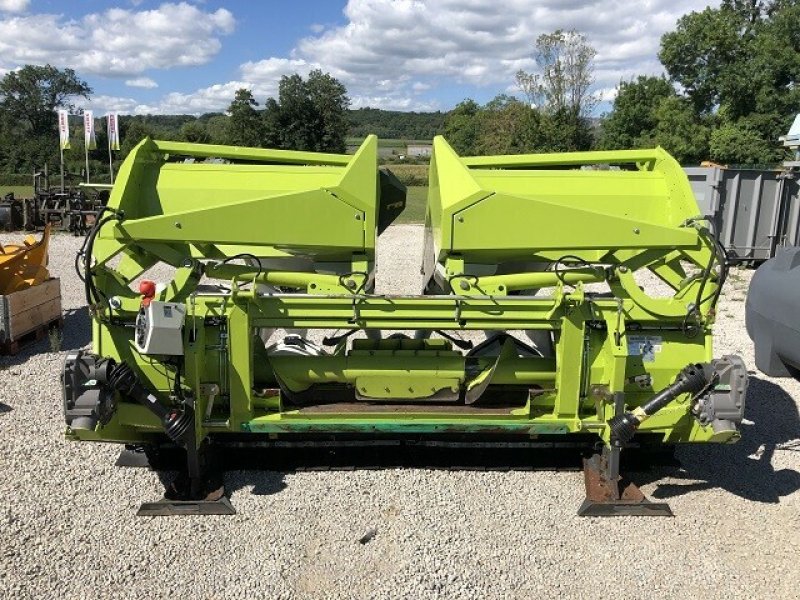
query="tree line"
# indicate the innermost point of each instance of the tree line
(731, 87)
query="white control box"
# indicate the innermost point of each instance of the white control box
(159, 328)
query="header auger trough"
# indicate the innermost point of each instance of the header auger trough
(531, 325)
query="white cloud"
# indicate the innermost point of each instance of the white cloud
(141, 82)
(102, 103)
(14, 5)
(478, 43)
(117, 42)
(394, 53)
(263, 76)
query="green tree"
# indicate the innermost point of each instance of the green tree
(564, 76)
(132, 132)
(560, 89)
(217, 129)
(507, 126)
(740, 143)
(633, 121)
(700, 52)
(195, 132)
(329, 102)
(244, 124)
(741, 62)
(681, 131)
(308, 114)
(28, 125)
(563, 131)
(462, 128)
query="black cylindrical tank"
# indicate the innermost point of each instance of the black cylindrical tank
(773, 314)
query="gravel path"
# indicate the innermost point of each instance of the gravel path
(68, 530)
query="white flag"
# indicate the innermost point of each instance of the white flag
(112, 124)
(63, 129)
(88, 130)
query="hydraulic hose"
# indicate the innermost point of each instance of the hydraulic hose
(178, 423)
(692, 379)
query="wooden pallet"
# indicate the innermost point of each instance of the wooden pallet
(28, 315)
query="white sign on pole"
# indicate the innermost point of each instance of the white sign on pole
(63, 128)
(112, 122)
(88, 130)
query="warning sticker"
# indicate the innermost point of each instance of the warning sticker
(646, 346)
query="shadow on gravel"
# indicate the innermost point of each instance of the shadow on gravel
(5, 408)
(260, 483)
(745, 468)
(76, 334)
(261, 470)
(77, 329)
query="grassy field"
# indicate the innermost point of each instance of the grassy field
(416, 199)
(386, 142)
(20, 191)
(410, 174)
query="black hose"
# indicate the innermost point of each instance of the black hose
(559, 274)
(91, 291)
(246, 255)
(80, 254)
(721, 257)
(692, 379)
(178, 423)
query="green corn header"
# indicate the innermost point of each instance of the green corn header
(535, 321)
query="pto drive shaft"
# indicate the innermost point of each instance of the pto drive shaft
(692, 378)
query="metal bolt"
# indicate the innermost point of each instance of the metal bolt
(623, 269)
(636, 230)
(178, 224)
(463, 284)
(460, 219)
(358, 217)
(350, 283)
(115, 302)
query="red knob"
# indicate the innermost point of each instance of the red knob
(147, 289)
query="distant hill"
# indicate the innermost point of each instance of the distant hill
(395, 124)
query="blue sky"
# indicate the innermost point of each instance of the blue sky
(145, 56)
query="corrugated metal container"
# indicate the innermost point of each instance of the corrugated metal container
(789, 228)
(755, 211)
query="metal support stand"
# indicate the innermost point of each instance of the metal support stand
(607, 493)
(133, 457)
(197, 490)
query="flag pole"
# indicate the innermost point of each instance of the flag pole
(110, 159)
(63, 140)
(86, 147)
(112, 127)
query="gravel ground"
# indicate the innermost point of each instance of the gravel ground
(68, 530)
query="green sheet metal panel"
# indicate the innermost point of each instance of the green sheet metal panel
(510, 207)
(323, 206)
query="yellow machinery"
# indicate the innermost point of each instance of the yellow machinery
(24, 265)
